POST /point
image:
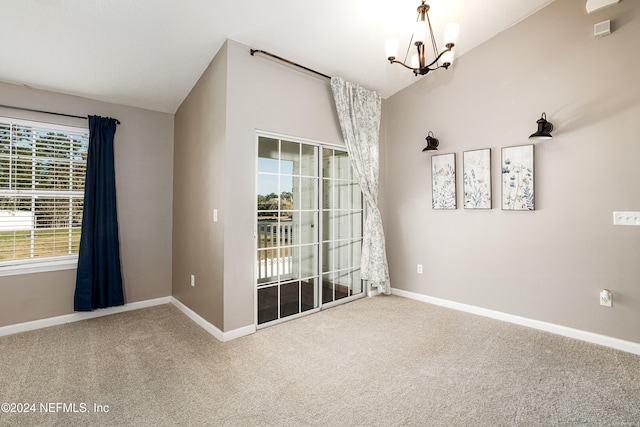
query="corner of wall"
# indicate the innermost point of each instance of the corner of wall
(199, 174)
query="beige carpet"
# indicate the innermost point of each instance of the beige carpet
(381, 361)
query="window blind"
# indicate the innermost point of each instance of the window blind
(42, 173)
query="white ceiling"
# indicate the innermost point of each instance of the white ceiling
(150, 53)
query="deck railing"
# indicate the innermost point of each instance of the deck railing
(275, 255)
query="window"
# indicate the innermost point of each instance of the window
(42, 173)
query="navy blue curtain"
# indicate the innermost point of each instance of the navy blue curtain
(99, 278)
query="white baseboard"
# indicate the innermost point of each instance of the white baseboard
(591, 337)
(77, 316)
(628, 346)
(209, 327)
(239, 333)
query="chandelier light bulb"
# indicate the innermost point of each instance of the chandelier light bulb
(447, 58)
(392, 48)
(420, 33)
(451, 32)
(415, 61)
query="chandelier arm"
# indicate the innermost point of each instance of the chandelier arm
(448, 49)
(394, 61)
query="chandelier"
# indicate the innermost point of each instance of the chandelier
(419, 63)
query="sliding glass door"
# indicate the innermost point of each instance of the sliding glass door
(342, 228)
(308, 231)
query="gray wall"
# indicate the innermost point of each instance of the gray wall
(260, 94)
(198, 188)
(549, 264)
(143, 162)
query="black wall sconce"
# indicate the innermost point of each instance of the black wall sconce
(544, 129)
(432, 142)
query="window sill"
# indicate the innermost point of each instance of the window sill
(39, 267)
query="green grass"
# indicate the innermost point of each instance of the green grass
(15, 245)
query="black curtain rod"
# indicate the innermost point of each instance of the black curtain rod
(289, 62)
(47, 112)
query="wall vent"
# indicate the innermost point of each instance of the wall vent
(602, 29)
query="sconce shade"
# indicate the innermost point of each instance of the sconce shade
(432, 143)
(544, 129)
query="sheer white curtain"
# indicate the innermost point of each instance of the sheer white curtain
(359, 112)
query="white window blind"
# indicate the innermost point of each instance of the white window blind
(42, 173)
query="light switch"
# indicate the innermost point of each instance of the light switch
(626, 218)
(215, 215)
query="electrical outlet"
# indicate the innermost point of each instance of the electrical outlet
(606, 297)
(419, 269)
(626, 218)
(193, 280)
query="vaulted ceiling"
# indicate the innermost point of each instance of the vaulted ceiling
(150, 53)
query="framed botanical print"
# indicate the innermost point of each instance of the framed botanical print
(518, 178)
(476, 167)
(443, 180)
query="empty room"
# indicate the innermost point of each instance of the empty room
(292, 213)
